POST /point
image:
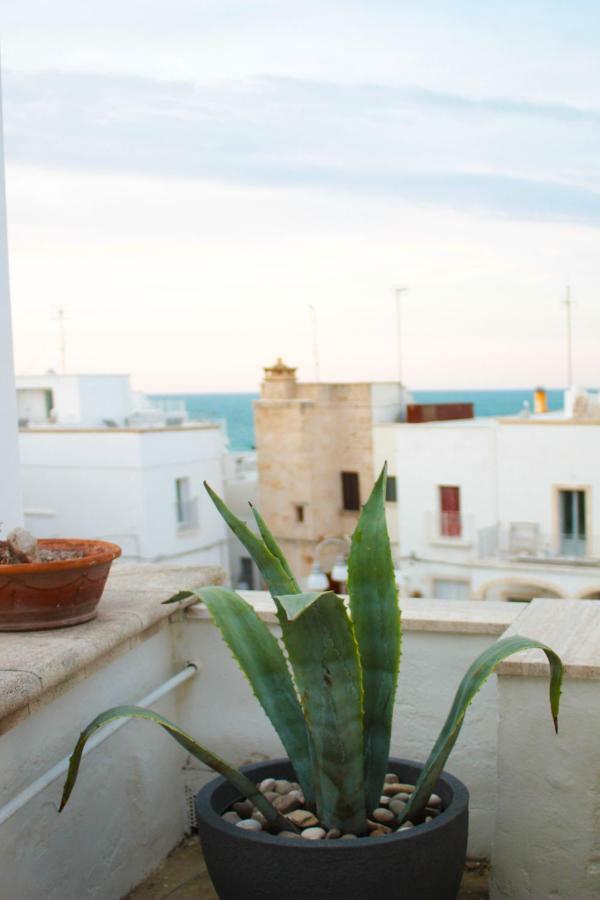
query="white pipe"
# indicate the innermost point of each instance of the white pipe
(61, 767)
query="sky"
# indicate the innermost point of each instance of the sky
(187, 179)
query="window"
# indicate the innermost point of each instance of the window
(450, 520)
(572, 537)
(451, 589)
(299, 511)
(350, 491)
(246, 580)
(185, 505)
(391, 494)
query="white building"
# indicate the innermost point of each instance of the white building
(497, 508)
(240, 490)
(96, 465)
(73, 399)
(10, 489)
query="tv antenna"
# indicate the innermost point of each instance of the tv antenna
(315, 335)
(568, 304)
(61, 315)
(398, 293)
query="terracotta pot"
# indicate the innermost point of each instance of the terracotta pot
(55, 594)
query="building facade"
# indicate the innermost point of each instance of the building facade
(477, 508)
(316, 464)
(95, 465)
(502, 509)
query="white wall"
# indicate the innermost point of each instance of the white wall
(532, 458)
(240, 487)
(507, 472)
(127, 810)
(388, 401)
(129, 806)
(81, 399)
(120, 485)
(426, 456)
(547, 834)
(11, 513)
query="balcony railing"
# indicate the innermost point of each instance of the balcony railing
(526, 541)
(449, 526)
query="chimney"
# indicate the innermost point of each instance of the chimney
(279, 382)
(540, 400)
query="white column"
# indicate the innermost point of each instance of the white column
(547, 835)
(11, 504)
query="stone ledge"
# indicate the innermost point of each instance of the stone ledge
(34, 665)
(447, 616)
(570, 627)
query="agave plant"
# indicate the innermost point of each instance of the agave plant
(329, 686)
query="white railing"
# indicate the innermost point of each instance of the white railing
(527, 541)
(449, 526)
(40, 784)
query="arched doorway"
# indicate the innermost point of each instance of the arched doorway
(517, 590)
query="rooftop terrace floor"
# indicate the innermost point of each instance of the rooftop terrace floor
(183, 876)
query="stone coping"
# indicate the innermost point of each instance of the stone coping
(36, 664)
(449, 616)
(569, 627)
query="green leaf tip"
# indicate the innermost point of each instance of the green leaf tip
(180, 595)
(264, 550)
(294, 605)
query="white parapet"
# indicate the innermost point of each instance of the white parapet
(547, 833)
(535, 797)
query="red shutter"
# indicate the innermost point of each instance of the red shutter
(450, 524)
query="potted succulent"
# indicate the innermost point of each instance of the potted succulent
(282, 828)
(51, 583)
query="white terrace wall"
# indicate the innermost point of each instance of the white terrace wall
(131, 805)
(547, 831)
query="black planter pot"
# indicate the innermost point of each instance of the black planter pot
(423, 863)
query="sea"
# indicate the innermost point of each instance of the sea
(234, 411)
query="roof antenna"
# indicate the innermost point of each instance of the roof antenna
(398, 291)
(313, 318)
(61, 314)
(568, 304)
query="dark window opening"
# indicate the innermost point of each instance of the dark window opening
(391, 492)
(246, 574)
(299, 509)
(572, 523)
(350, 491)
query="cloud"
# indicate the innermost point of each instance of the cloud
(503, 156)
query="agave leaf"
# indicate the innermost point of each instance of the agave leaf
(476, 675)
(243, 784)
(377, 627)
(262, 661)
(272, 545)
(277, 576)
(323, 654)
